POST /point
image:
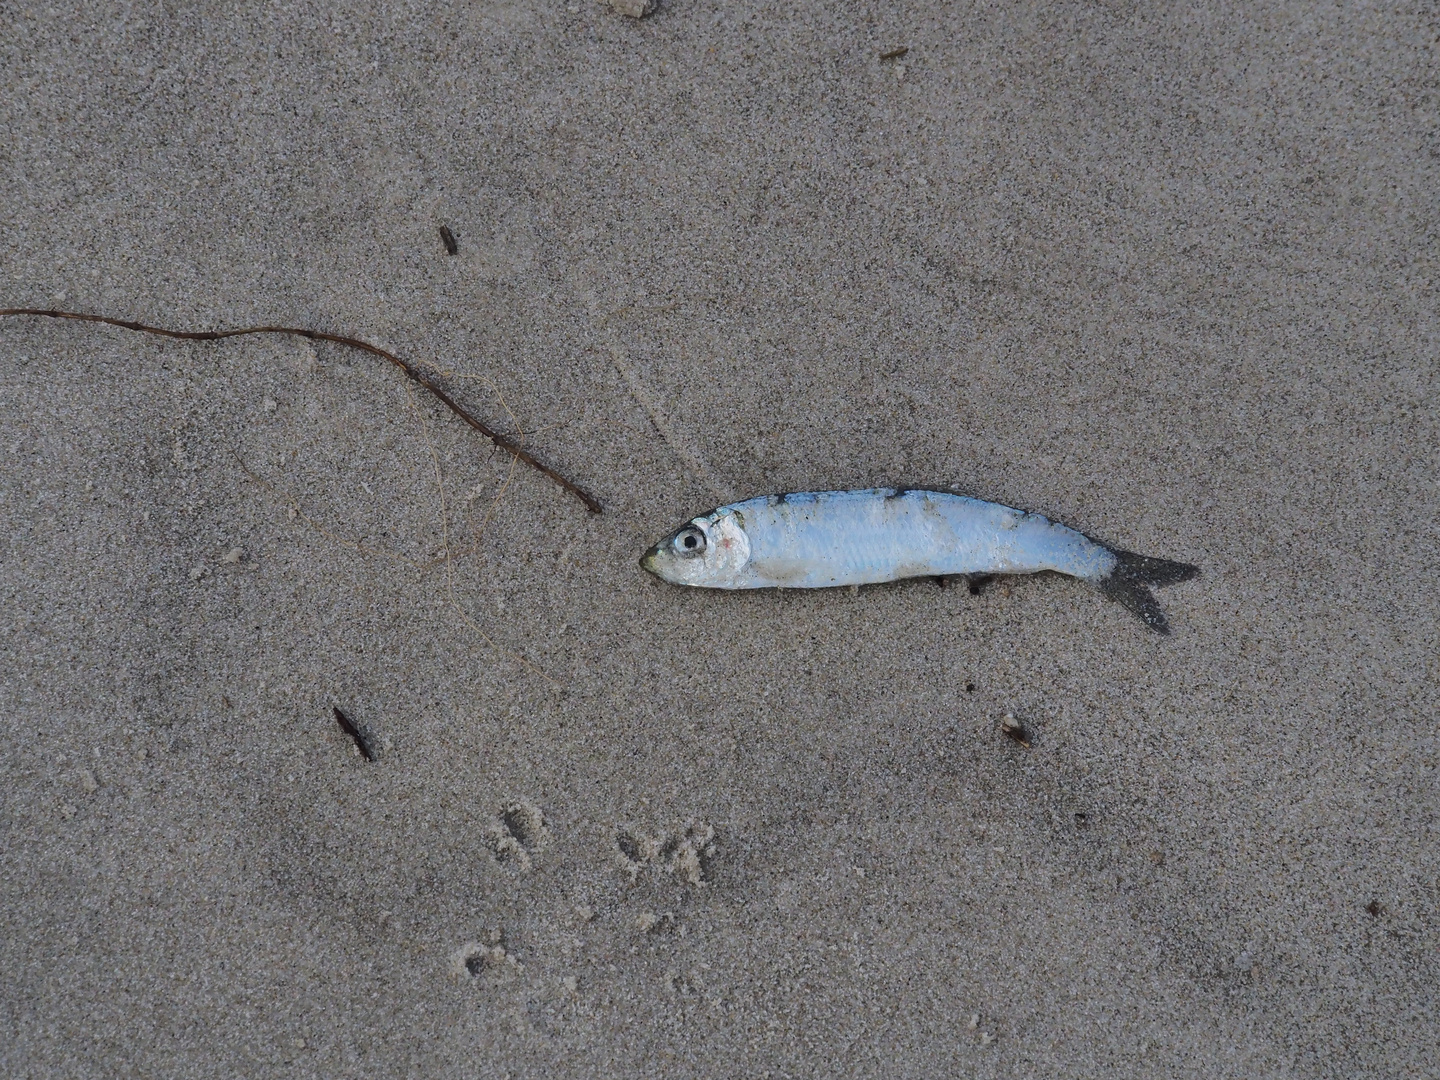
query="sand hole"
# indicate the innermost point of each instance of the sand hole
(685, 852)
(526, 823)
(519, 831)
(476, 960)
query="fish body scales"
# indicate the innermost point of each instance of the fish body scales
(829, 538)
(821, 539)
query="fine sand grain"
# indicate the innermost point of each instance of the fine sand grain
(1166, 274)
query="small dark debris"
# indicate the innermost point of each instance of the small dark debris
(895, 54)
(361, 743)
(448, 239)
(1375, 908)
(969, 688)
(1081, 820)
(1015, 731)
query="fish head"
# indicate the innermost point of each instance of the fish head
(710, 551)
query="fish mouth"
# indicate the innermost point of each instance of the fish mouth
(650, 561)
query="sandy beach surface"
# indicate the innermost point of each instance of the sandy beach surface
(1164, 273)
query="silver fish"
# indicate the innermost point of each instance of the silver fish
(817, 539)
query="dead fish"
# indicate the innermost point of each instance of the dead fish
(819, 539)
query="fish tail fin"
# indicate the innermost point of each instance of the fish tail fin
(1129, 583)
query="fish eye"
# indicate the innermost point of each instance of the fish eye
(690, 542)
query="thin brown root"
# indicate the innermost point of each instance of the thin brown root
(413, 372)
(683, 448)
(294, 503)
(494, 504)
(509, 473)
(445, 543)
